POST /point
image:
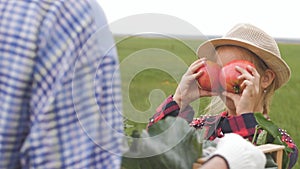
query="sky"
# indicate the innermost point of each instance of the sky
(280, 19)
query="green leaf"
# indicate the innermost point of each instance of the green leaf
(267, 124)
(170, 143)
(272, 129)
(262, 138)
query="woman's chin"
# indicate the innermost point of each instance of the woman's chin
(230, 105)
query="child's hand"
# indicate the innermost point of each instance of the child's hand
(189, 89)
(248, 100)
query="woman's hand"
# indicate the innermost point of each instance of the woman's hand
(188, 89)
(247, 101)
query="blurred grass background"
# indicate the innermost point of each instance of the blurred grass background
(285, 106)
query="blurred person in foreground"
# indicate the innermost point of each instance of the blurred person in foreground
(235, 111)
(59, 86)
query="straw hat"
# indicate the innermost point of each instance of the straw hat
(255, 40)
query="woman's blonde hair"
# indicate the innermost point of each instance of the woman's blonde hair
(216, 105)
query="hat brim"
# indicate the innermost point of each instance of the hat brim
(278, 65)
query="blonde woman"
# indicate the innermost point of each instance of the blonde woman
(242, 42)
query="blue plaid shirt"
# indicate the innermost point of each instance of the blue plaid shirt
(60, 93)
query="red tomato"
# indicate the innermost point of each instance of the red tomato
(209, 80)
(228, 76)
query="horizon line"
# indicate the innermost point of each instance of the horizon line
(192, 37)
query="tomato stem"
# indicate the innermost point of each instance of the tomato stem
(236, 89)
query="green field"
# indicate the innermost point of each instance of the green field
(152, 67)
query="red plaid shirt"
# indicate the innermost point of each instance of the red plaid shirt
(217, 125)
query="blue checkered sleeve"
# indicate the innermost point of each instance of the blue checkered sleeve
(60, 86)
